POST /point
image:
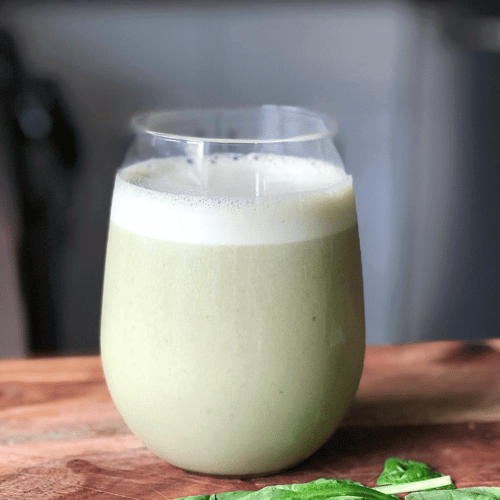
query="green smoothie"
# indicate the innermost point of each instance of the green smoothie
(233, 345)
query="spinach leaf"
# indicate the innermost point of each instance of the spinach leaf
(402, 473)
(457, 494)
(320, 489)
(323, 489)
(230, 495)
(397, 471)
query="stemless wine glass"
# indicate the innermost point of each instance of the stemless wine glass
(232, 332)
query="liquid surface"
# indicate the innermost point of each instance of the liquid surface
(303, 199)
(238, 349)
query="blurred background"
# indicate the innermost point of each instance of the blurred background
(414, 85)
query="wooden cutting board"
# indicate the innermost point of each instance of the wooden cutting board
(62, 438)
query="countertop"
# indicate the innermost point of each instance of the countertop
(62, 438)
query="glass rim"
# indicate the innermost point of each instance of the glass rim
(144, 123)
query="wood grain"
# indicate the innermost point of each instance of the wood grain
(432, 382)
(62, 438)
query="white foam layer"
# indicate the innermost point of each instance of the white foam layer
(272, 199)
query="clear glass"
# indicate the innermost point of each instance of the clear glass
(232, 332)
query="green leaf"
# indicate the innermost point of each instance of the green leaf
(323, 489)
(486, 493)
(231, 495)
(397, 471)
(320, 489)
